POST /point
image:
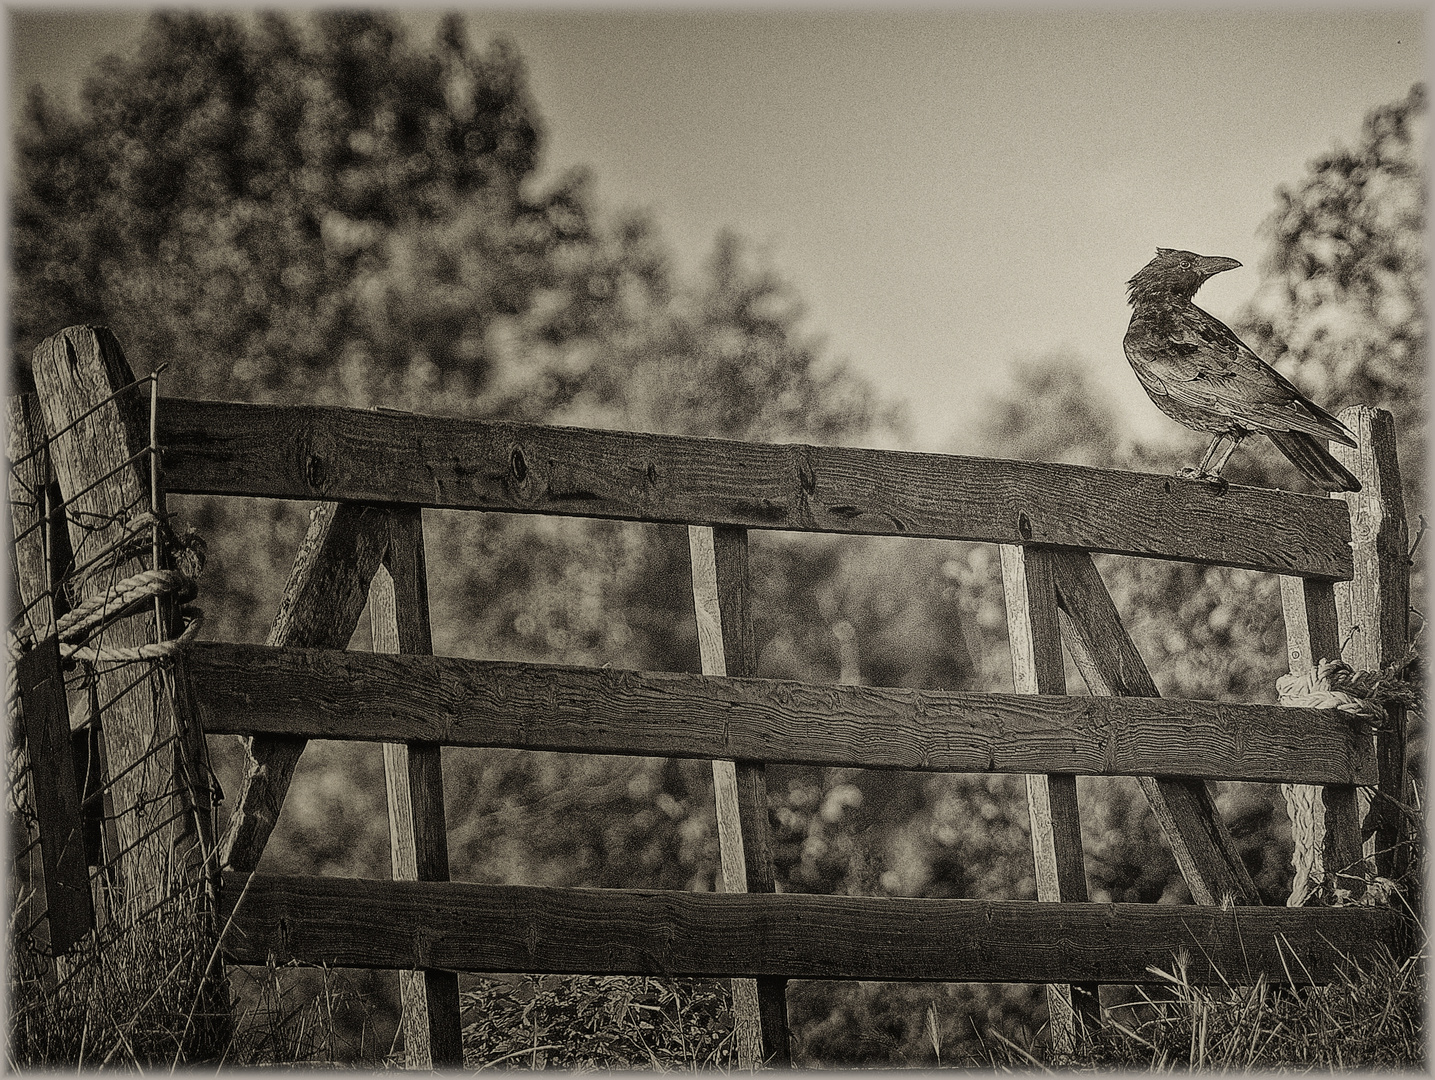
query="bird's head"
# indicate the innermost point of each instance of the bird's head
(1175, 275)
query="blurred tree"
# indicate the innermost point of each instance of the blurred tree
(267, 206)
(324, 212)
(321, 211)
(1343, 303)
(1049, 411)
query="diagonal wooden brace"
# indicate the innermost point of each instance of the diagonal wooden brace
(1108, 661)
(325, 594)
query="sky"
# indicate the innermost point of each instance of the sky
(948, 189)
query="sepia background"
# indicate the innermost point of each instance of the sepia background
(946, 189)
(909, 230)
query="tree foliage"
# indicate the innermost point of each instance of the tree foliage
(1343, 303)
(251, 200)
(322, 211)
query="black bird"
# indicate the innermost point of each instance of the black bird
(1201, 375)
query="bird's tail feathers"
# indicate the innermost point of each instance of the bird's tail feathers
(1322, 425)
(1309, 455)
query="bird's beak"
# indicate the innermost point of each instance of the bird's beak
(1210, 265)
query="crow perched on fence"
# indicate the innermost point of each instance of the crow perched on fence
(1201, 375)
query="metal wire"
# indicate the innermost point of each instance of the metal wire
(93, 579)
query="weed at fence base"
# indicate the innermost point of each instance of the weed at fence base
(143, 997)
(610, 1022)
(1372, 1017)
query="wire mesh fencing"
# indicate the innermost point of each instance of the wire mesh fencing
(110, 795)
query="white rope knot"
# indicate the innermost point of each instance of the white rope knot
(1331, 684)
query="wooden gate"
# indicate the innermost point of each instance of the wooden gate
(374, 472)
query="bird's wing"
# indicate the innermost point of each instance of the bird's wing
(1204, 365)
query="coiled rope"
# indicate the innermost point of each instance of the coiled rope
(1334, 684)
(91, 615)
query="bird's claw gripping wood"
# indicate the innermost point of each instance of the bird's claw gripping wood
(1214, 479)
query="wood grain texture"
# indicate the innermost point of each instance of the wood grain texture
(1312, 635)
(1039, 667)
(69, 908)
(1374, 606)
(323, 598)
(315, 452)
(1111, 665)
(333, 694)
(1374, 610)
(413, 778)
(722, 604)
(30, 504)
(468, 927)
(98, 438)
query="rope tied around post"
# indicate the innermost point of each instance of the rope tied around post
(93, 614)
(1334, 684)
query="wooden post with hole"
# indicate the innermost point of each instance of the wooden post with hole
(1039, 668)
(722, 601)
(413, 772)
(29, 487)
(55, 832)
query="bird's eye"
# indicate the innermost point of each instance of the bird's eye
(1185, 264)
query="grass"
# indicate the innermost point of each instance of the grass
(585, 1023)
(134, 997)
(1372, 1018)
(137, 999)
(301, 1015)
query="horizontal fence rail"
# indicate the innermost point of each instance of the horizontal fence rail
(334, 694)
(332, 453)
(372, 470)
(459, 926)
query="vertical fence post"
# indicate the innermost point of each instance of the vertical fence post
(722, 601)
(99, 443)
(1370, 615)
(69, 907)
(1039, 668)
(413, 772)
(1374, 611)
(1328, 820)
(54, 824)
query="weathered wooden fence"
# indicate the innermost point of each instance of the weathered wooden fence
(1343, 568)
(110, 800)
